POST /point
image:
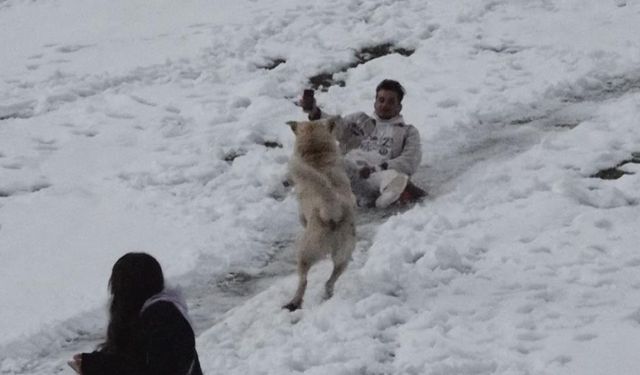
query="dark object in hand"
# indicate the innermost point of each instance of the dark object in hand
(308, 101)
(365, 172)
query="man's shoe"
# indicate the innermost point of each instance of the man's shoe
(392, 191)
(411, 194)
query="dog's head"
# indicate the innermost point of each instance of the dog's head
(314, 137)
(308, 127)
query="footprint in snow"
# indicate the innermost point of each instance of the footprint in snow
(85, 133)
(172, 109)
(525, 309)
(448, 103)
(633, 263)
(13, 165)
(525, 349)
(603, 224)
(531, 336)
(585, 337)
(561, 360)
(540, 250)
(527, 239)
(45, 144)
(15, 189)
(72, 48)
(174, 126)
(143, 101)
(17, 110)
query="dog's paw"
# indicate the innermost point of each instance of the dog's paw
(331, 215)
(291, 306)
(328, 293)
(332, 225)
(324, 213)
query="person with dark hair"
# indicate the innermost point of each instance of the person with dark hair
(149, 330)
(381, 151)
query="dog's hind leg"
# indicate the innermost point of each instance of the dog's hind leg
(303, 270)
(338, 269)
(341, 255)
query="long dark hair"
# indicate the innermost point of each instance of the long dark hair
(134, 278)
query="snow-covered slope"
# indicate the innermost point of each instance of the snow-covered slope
(159, 127)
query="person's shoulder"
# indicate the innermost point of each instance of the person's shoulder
(164, 316)
(164, 319)
(411, 128)
(161, 311)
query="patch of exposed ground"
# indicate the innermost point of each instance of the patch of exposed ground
(615, 173)
(322, 81)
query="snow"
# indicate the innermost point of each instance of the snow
(137, 126)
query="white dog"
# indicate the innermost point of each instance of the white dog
(326, 203)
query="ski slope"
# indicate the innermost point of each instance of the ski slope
(159, 127)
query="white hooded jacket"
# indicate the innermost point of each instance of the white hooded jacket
(391, 141)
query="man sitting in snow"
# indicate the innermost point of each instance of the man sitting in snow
(381, 152)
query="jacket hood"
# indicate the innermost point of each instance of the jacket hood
(172, 295)
(399, 120)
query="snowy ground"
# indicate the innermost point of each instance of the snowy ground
(128, 125)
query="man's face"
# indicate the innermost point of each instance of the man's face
(387, 104)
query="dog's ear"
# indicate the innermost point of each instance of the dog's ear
(293, 125)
